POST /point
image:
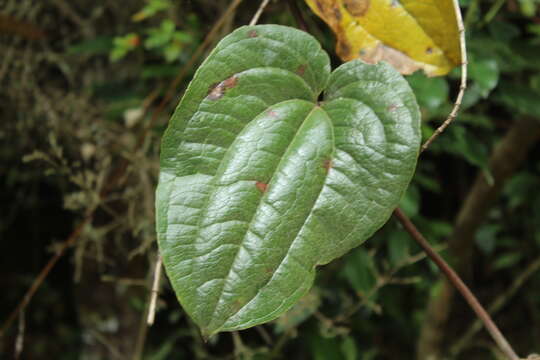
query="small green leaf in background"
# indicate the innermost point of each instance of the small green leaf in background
(485, 74)
(430, 92)
(398, 247)
(410, 202)
(122, 45)
(348, 348)
(528, 7)
(486, 238)
(152, 8)
(520, 98)
(97, 46)
(507, 260)
(169, 40)
(323, 348)
(260, 183)
(465, 144)
(359, 270)
(520, 188)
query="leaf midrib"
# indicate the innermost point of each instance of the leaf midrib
(241, 244)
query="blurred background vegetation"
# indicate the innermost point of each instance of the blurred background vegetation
(86, 89)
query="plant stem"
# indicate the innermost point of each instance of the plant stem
(259, 12)
(456, 281)
(155, 291)
(463, 81)
(492, 12)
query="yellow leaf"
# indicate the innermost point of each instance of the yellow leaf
(409, 34)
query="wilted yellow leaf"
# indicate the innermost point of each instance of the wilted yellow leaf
(409, 34)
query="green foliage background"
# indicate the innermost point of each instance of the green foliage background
(80, 81)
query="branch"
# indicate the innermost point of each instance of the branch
(456, 281)
(463, 82)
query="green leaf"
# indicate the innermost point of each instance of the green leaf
(398, 247)
(123, 45)
(153, 7)
(519, 98)
(96, 46)
(507, 260)
(323, 348)
(410, 203)
(348, 348)
(431, 92)
(485, 73)
(360, 271)
(486, 238)
(260, 184)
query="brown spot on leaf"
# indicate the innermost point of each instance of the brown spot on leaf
(327, 164)
(301, 69)
(253, 34)
(392, 107)
(429, 50)
(319, 5)
(216, 91)
(337, 13)
(230, 82)
(272, 113)
(357, 7)
(261, 186)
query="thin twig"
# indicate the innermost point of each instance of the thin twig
(143, 322)
(456, 281)
(463, 83)
(258, 13)
(264, 334)
(155, 292)
(45, 271)
(107, 343)
(19, 342)
(492, 12)
(496, 305)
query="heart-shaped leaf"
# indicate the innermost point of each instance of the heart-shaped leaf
(260, 183)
